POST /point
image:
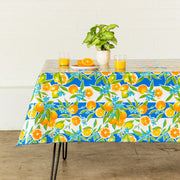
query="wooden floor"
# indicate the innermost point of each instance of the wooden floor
(89, 161)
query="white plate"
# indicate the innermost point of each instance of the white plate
(76, 67)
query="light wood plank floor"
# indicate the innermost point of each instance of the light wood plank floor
(90, 161)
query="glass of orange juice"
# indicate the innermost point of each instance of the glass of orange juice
(64, 59)
(120, 62)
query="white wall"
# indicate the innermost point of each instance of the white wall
(32, 31)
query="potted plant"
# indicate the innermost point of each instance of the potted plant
(102, 37)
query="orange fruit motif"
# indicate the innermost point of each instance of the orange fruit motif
(160, 105)
(113, 121)
(37, 134)
(51, 123)
(145, 120)
(132, 139)
(44, 122)
(156, 132)
(115, 87)
(54, 115)
(106, 73)
(91, 105)
(123, 115)
(54, 87)
(175, 73)
(157, 72)
(158, 92)
(75, 120)
(73, 109)
(100, 112)
(177, 106)
(87, 62)
(174, 133)
(142, 89)
(169, 112)
(32, 113)
(133, 76)
(105, 132)
(142, 109)
(124, 87)
(79, 62)
(87, 132)
(73, 89)
(45, 87)
(64, 78)
(63, 139)
(108, 106)
(121, 122)
(39, 107)
(87, 73)
(88, 92)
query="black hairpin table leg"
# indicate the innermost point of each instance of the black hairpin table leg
(64, 150)
(57, 161)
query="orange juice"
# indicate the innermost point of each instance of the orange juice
(64, 62)
(120, 64)
(120, 70)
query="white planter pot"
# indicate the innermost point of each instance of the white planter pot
(103, 57)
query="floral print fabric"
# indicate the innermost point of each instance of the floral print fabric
(104, 107)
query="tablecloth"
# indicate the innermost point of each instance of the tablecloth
(103, 107)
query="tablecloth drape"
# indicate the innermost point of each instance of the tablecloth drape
(103, 107)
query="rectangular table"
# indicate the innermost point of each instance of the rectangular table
(139, 105)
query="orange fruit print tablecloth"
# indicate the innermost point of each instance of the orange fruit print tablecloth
(103, 107)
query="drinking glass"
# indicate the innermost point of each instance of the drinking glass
(120, 61)
(64, 58)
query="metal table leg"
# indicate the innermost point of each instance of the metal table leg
(64, 155)
(57, 161)
(64, 150)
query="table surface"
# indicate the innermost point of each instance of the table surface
(132, 65)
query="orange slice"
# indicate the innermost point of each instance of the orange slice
(79, 62)
(87, 62)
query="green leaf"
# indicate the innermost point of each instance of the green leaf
(140, 79)
(88, 38)
(133, 88)
(160, 116)
(104, 80)
(96, 88)
(70, 79)
(151, 85)
(99, 79)
(165, 123)
(102, 107)
(166, 88)
(90, 116)
(100, 97)
(174, 80)
(168, 79)
(114, 40)
(169, 97)
(108, 99)
(107, 35)
(82, 85)
(137, 133)
(65, 115)
(48, 113)
(40, 100)
(134, 115)
(64, 88)
(68, 133)
(111, 26)
(95, 41)
(95, 123)
(145, 103)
